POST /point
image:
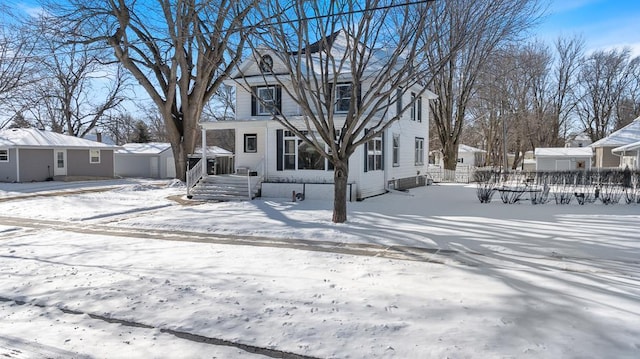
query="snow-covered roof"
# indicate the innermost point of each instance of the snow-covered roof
(468, 149)
(624, 136)
(564, 152)
(213, 151)
(632, 147)
(340, 44)
(34, 138)
(151, 148)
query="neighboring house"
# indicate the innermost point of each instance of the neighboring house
(467, 156)
(581, 139)
(563, 158)
(147, 160)
(624, 136)
(397, 159)
(31, 155)
(629, 155)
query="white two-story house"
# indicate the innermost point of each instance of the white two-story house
(263, 146)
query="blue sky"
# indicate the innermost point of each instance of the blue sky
(602, 23)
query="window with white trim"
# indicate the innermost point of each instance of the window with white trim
(419, 151)
(396, 149)
(266, 100)
(4, 155)
(250, 143)
(299, 155)
(94, 156)
(343, 98)
(416, 108)
(374, 154)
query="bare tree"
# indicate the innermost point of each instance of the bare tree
(605, 77)
(569, 53)
(470, 32)
(179, 51)
(16, 69)
(76, 89)
(221, 107)
(370, 48)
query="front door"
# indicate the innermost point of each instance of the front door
(60, 162)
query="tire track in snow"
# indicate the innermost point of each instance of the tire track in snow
(410, 253)
(272, 353)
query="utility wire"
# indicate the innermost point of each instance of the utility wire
(263, 23)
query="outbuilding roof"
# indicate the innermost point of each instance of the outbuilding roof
(624, 136)
(35, 138)
(465, 148)
(150, 148)
(564, 152)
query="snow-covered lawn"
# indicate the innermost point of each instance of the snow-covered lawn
(488, 280)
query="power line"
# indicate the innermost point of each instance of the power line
(262, 23)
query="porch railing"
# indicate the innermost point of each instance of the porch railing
(194, 174)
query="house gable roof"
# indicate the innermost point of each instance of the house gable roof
(624, 136)
(468, 149)
(339, 44)
(150, 148)
(34, 138)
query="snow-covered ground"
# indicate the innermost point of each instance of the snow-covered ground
(127, 272)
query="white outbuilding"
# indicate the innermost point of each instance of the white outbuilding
(563, 158)
(146, 160)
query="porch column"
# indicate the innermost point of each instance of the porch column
(203, 158)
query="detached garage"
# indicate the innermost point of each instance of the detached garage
(563, 158)
(146, 160)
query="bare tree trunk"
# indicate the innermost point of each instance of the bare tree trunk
(340, 178)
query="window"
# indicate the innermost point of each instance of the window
(299, 155)
(413, 107)
(419, 151)
(94, 156)
(250, 143)
(60, 159)
(416, 108)
(374, 154)
(4, 155)
(399, 102)
(265, 101)
(343, 98)
(396, 150)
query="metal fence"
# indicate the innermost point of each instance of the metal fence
(462, 174)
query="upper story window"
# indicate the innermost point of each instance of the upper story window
(266, 63)
(4, 155)
(416, 108)
(399, 102)
(94, 156)
(265, 101)
(343, 98)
